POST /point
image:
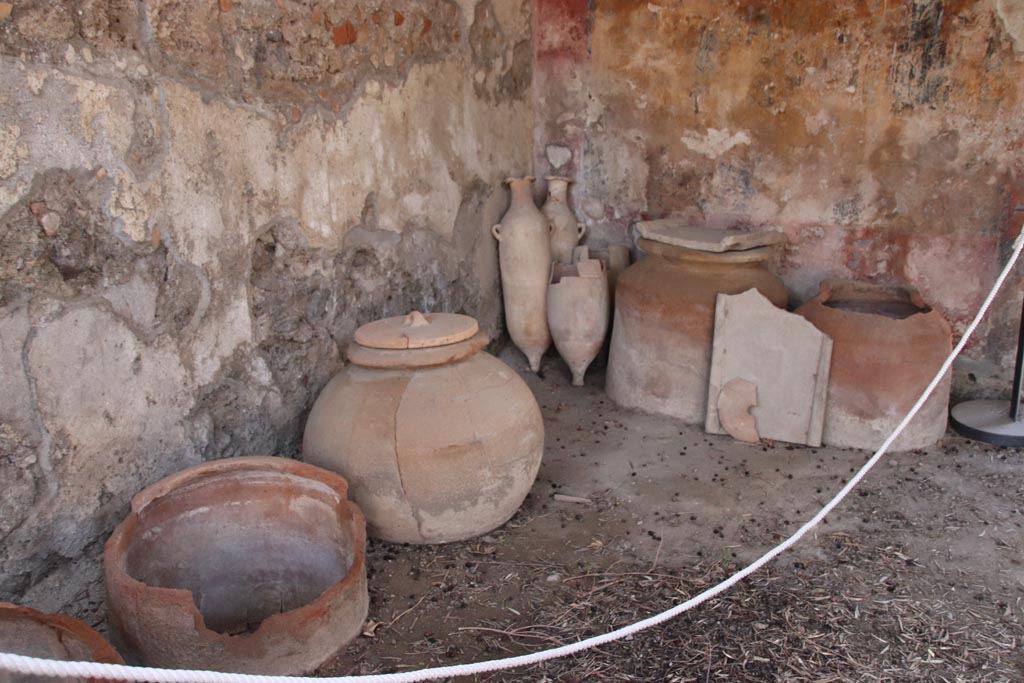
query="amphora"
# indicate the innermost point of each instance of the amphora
(578, 308)
(524, 254)
(566, 231)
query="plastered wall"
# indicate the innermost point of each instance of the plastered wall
(199, 203)
(883, 136)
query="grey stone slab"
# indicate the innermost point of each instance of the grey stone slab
(682, 233)
(783, 355)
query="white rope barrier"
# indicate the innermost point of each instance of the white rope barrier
(61, 669)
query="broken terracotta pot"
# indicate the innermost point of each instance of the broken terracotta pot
(615, 258)
(439, 440)
(578, 305)
(524, 255)
(660, 356)
(566, 231)
(25, 631)
(887, 345)
(250, 565)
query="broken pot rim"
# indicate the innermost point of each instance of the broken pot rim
(214, 469)
(846, 289)
(513, 179)
(568, 275)
(115, 550)
(101, 650)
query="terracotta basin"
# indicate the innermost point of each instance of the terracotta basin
(887, 344)
(251, 565)
(25, 631)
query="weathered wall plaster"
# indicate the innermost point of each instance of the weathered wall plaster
(885, 138)
(199, 203)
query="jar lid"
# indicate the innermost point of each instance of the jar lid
(417, 331)
(681, 233)
(677, 253)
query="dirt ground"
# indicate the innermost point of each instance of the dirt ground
(917, 576)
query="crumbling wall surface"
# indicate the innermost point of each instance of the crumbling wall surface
(884, 137)
(199, 202)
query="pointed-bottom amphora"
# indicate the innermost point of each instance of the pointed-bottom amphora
(578, 305)
(524, 254)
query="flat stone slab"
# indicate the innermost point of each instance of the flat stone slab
(783, 355)
(682, 233)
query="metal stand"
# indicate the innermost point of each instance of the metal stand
(992, 421)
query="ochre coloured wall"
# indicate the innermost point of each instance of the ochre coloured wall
(199, 203)
(883, 136)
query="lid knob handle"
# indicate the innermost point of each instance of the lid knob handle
(415, 319)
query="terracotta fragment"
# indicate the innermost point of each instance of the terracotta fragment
(888, 343)
(250, 565)
(344, 34)
(735, 401)
(25, 631)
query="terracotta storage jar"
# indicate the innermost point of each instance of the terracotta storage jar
(660, 356)
(25, 631)
(439, 440)
(249, 565)
(887, 345)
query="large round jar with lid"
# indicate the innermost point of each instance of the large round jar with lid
(660, 356)
(439, 440)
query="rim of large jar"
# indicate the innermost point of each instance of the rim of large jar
(832, 293)
(674, 252)
(411, 359)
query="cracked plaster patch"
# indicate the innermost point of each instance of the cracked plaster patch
(132, 206)
(558, 155)
(10, 150)
(715, 143)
